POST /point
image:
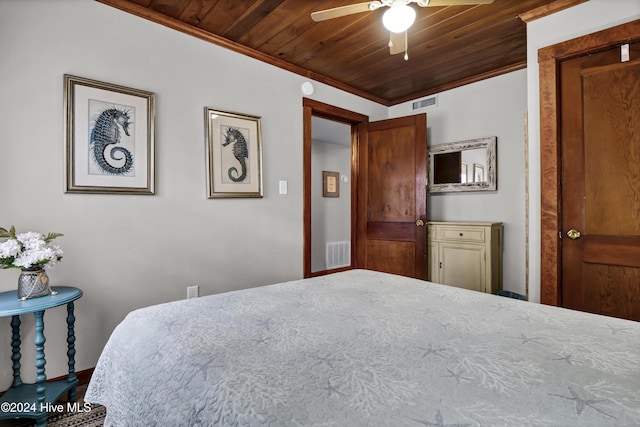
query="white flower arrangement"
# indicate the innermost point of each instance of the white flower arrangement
(28, 250)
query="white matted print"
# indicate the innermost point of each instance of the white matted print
(109, 138)
(234, 154)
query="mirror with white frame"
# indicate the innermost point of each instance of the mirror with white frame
(463, 166)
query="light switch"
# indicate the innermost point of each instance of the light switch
(624, 53)
(283, 187)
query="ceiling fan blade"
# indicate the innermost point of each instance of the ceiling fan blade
(336, 12)
(438, 3)
(397, 43)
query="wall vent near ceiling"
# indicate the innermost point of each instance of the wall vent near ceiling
(429, 102)
(338, 254)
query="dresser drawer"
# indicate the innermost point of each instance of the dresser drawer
(461, 234)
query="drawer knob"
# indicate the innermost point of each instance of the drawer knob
(461, 234)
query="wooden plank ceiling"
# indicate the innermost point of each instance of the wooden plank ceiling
(448, 46)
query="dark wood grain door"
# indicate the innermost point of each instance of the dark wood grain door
(600, 147)
(392, 199)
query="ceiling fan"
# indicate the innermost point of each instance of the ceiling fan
(397, 19)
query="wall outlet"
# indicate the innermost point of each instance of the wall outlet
(192, 292)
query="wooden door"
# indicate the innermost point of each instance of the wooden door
(600, 181)
(392, 196)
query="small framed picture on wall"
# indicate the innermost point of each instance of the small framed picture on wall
(330, 184)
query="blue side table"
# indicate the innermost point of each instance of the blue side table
(32, 400)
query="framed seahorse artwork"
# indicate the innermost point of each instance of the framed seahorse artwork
(109, 134)
(234, 154)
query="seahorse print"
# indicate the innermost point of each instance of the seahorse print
(240, 152)
(107, 132)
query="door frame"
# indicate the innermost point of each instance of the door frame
(549, 59)
(356, 121)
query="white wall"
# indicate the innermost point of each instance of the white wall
(123, 251)
(492, 107)
(585, 18)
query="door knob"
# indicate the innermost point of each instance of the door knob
(573, 234)
(420, 223)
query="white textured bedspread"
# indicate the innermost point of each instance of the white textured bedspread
(365, 348)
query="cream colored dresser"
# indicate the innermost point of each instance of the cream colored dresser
(465, 254)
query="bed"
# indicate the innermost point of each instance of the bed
(367, 348)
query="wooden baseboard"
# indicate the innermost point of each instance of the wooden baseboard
(83, 378)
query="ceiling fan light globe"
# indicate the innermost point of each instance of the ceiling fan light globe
(398, 18)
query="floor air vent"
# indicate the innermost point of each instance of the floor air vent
(338, 254)
(429, 102)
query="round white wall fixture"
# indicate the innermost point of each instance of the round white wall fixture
(307, 88)
(344, 178)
